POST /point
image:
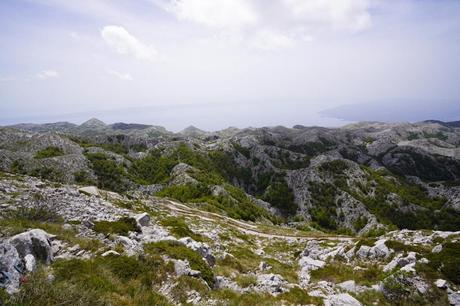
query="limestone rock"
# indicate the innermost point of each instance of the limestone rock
(35, 242)
(271, 283)
(11, 267)
(142, 219)
(341, 300)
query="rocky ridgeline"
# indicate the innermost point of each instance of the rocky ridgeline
(332, 179)
(234, 256)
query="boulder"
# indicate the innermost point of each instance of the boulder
(437, 248)
(222, 282)
(349, 286)
(11, 267)
(142, 219)
(441, 283)
(341, 300)
(378, 250)
(201, 248)
(90, 190)
(35, 242)
(310, 263)
(271, 283)
(182, 267)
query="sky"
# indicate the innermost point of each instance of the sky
(220, 63)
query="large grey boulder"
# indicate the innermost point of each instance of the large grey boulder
(35, 242)
(11, 267)
(378, 250)
(343, 299)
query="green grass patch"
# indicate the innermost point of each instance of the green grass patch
(178, 250)
(179, 228)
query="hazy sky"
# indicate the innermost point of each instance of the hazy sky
(216, 63)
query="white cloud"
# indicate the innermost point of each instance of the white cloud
(48, 74)
(121, 76)
(269, 40)
(289, 21)
(124, 43)
(214, 13)
(350, 15)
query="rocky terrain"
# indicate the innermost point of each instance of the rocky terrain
(131, 214)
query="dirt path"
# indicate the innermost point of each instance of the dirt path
(242, 226)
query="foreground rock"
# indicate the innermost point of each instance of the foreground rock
(19, 255)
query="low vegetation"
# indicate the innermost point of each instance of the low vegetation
(49, 152)
(177, 250)
(121, 227)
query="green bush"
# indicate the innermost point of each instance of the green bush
(82, 177)
(18, 167)
(48, 174)
(335, 167)
(109, 174)
(178, 250)
(281, 196)
(447, 261)
(49, 152)
(121, 227)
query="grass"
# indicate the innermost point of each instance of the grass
(177, 250)
(287, 271)
(338, 272)
(110, 280)
(179, 228)
(186, 284)
(244, 280)
(121, 227)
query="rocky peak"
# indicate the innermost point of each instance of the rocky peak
(193, 131)
(93, 123)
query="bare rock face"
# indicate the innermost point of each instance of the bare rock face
(180, 175)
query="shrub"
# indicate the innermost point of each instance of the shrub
(447, 261)
(185, 193)
(47, 174)
(281, 196)
(335, 167)
(49, 152)
(122, 226)
(18, 167)
(82, 177)
(109, 174)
